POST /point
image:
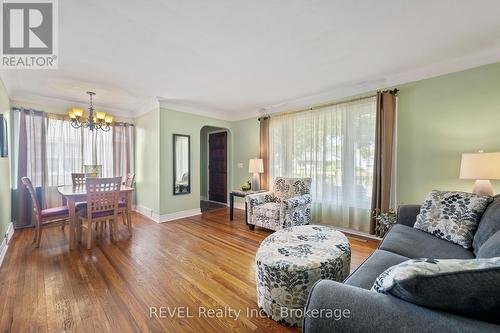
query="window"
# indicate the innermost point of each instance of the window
(47, 149)
(334, 146)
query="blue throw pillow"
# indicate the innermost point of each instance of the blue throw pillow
(469, 287)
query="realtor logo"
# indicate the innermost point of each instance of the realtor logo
(29, 34)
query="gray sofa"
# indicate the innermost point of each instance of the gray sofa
(370, 311)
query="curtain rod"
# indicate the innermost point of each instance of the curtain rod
(61, 116)
(312, 108)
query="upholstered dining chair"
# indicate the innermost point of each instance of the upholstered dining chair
(288, 205)
(78, 179)
(122, 204)
(103, 195)
(55, 215)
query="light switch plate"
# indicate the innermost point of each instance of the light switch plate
(240, 165)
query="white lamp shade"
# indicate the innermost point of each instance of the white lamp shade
(256, 165)
(480, 166)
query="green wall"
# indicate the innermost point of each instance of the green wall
(438, 120)
(5, 203)
(247, 146)
(154, 141)
(174, 122)
(147, 164)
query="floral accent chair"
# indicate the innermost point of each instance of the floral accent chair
(288, 205)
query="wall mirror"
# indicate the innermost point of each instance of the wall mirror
(182, 164)
(4, 144)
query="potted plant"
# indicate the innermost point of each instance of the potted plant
(246, 186)
(384, 221)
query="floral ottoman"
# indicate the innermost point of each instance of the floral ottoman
(290, 261)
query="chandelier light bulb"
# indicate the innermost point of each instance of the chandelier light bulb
(95, 120)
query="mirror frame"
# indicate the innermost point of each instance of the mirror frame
(174, 137)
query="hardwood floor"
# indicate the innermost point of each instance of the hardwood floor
(203, 261)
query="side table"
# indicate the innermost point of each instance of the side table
(241, 194)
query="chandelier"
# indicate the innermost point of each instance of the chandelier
(96, 119)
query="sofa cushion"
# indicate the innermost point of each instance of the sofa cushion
(491, 248)
(488, 226)
(452, 215)
(379, 261)
(469, 287)
(414, 243)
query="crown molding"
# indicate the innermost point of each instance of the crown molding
(154, 104)
(338, 92)
(449, 66)
(187, 107)
(55, 102)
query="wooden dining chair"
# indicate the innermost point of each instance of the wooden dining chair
(55, 215)
(78, 179)
(123, 204)
(129, 181)
(103, 195)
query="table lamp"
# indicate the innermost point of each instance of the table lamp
(256, 166)
(482, 167)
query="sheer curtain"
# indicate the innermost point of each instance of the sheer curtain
(64, 156)
(98, 150)
(335, 147)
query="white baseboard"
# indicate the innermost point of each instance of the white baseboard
(10, 232)
(150, 214)
(179, 215)
(3, 250)
(358, 233)
(217, 202)
(146, 211)
(4, 245)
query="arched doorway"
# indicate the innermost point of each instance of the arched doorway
(214, 170)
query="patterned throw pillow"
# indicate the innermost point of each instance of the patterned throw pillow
(452, 216)
(470, 287)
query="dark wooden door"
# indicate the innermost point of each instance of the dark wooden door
(217, 167)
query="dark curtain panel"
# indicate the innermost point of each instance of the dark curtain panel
(123, 149)
(384, 150)
(28, 150)
(264, 151)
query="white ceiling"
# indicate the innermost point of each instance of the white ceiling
(233, 58)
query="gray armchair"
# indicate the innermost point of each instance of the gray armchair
(289, 204)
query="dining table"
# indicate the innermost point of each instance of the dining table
(74, 194)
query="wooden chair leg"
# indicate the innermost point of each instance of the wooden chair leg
(38, 236)
(35, 235)
(113, 226)
(129, 223)
(89, 234)
(124, 220)
(78, 228)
